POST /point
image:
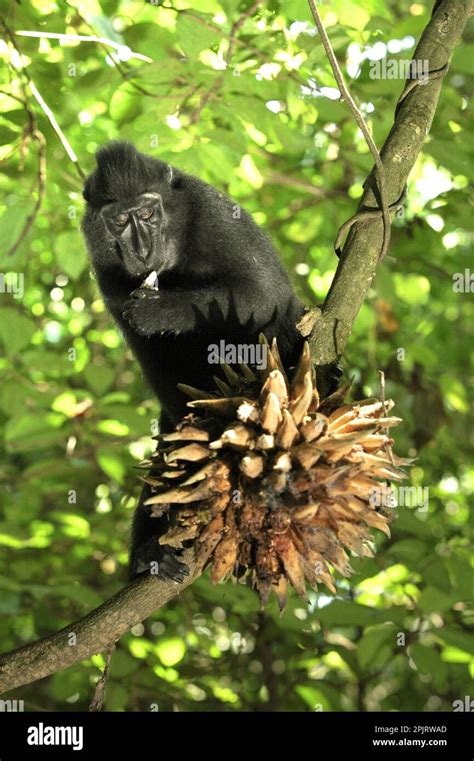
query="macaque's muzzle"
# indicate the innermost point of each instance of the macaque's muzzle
(137, 231)
(140, 246)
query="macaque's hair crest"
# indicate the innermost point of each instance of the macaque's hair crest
(122, 173)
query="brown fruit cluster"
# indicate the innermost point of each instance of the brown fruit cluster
(270, 482)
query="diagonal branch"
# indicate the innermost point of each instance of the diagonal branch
(83, 38)
(413, 119)
(347, 97)
(92, 634)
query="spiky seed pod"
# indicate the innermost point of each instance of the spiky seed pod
(268, 481)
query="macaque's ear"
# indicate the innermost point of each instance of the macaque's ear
(86, 192)
(173, 177)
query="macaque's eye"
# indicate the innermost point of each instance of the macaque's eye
(121, 219)
(145, 213)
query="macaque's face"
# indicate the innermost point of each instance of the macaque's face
(135, 231)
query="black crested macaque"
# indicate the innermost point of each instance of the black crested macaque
(219, 278)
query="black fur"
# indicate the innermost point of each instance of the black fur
(219, 278)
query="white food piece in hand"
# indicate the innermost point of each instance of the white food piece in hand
(151, 281)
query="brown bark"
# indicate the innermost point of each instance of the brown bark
(92, 634)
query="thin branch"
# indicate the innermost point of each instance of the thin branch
(52, 120)
(387, 447)
(339, 77)
(117, 65)
(25, 77)
(258, 53)
(15, 97)
(97, 702)
(235, 28)
(85, 38)
(40, 140)
(278, 178)
(424, 264)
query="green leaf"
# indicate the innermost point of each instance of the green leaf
(123, 665)
(126, 415)
(109, 7)
(49, 362)
(31, 432)
(414, 289)
(351, 13)
(371, 646)
(112, 463)
(7, 135)
(409, 551)
(193, 36)
(433, 600)
(117, 697)
(436, 575)
(78, 593)
(13, 220)
(297, 10)
(171, 651)
(457, 638)
(13, 396)
(99, 379)
(49, 468)
(462, 573)
(427, 659)
(125, 105)
(70, 253)
(106, 28)
(339, 613)
(314, 698)
(16, 330)
(9, 603)
(113, 428)
(73, 525)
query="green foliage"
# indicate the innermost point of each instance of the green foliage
(76, 417)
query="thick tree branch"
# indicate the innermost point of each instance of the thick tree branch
(412, 123)
(93, 633)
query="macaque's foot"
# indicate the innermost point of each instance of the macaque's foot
(159, 560)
